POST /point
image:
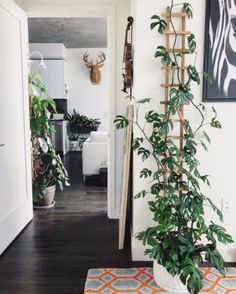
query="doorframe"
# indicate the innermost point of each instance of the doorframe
(107, 11)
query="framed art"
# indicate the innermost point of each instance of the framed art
(220, 51)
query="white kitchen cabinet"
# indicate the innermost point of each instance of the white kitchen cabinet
(53, 77)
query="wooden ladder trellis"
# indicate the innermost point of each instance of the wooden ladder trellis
(168, 84)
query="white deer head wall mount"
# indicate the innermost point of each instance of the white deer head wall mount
(95, 73)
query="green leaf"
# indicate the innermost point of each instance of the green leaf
(205, 179)
(155, 17)
(162, 26)
(159, 23)
(145, 153)
(60, 184)
(215, 123)
(152, 206)
(184, 240)
(215, 208)
(121, 122)
(145, 173)
(207, 137)
(193, 74)
(221, 234)
(194, 282)
(154, 24)
(43, 145)
(216, 260)
(187, 8)
(207, 77)
(172, 268)
(203, 107)
(191, 275)
(142, 194)
(165, 56)
(162, 48)
(137, 143)
(214, 111)
(192, 43)
(174, 256)
(155, 189)
(145, 100)
(204, 145)
(152, 116)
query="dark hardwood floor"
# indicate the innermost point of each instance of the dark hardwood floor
(55, 251)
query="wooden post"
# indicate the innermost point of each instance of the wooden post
(167, 82)
(181, 143)
(126, 177)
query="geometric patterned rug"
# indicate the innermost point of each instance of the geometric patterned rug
(140, 281)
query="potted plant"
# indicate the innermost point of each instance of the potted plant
(80, 124)
(48, 169)
(87, 125)
(181, 238)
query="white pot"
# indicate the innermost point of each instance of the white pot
(166, 281)
(73, 145)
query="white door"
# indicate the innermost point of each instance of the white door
(15, 171)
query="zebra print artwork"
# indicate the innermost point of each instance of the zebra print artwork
(220, 50)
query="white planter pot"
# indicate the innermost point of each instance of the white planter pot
(166, 281)
(73, 145)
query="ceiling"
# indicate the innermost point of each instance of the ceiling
(82, 32)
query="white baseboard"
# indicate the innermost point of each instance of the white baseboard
(228, 252)
(138, 254)
(113, 215)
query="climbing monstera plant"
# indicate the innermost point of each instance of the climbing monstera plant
(181, 239)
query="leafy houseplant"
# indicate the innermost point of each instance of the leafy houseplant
(80, 124)
(48, 169)
(88, 124)
(181, 239)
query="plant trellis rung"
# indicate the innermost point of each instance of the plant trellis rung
(167, 85)
(177, 33)
(174, 14)
(182, 50)
(173, 68)
(166, 102)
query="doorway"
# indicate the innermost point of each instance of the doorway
(84, 107)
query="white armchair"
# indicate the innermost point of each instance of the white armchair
(95, 152)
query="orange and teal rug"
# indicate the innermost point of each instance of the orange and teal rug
(140, 281)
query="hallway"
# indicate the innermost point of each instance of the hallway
(54, 253)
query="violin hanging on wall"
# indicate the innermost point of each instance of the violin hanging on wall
(128, 57)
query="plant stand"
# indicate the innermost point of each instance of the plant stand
(103, 176)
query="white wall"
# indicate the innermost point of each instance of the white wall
(87, 99)
(220, 162)
(122, 11)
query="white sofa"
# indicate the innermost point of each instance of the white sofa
(94, 153)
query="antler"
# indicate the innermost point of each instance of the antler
(102, 57)
(85, 58)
